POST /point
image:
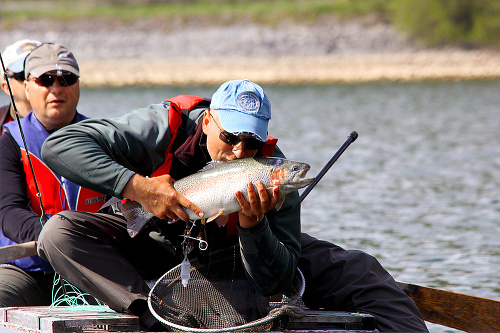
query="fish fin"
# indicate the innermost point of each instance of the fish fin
(219, 213)
(280, 203)
(137, 217)
(110, 202)
(222, 220)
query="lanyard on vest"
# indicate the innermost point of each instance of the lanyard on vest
(43, 217)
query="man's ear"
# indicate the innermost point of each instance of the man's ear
(5, 87)
(26, 90)
(206, 120)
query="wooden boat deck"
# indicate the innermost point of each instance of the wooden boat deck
(67, 319)
(64, 319)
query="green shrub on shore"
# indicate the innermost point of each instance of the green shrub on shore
(431, 22)
(449, 22)
(261, 11)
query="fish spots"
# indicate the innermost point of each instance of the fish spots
(277, 176)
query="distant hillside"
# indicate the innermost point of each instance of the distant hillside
(179, 50)
(458, 23)
(156, 39)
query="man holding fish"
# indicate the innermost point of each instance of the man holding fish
(141, 156)
(138, 156)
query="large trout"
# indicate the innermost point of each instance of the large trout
(213, 188)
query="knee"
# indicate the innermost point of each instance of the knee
(366, 268)
(363, 261)
(362, 258)
(52, 235)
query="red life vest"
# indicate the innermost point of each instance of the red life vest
(55, 197)
(184, 104)
(57, 193)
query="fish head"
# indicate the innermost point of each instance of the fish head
(289, 175)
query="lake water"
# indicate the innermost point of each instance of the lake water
(419, 189)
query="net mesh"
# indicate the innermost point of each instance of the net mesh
(218, 298)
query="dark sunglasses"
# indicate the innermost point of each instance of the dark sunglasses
(65, 80)
(16, 76)
(233, 140)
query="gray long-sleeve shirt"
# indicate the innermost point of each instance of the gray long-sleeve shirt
(103, 154)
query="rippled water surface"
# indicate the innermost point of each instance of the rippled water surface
(419, 189)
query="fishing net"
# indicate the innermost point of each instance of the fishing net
(218, 298)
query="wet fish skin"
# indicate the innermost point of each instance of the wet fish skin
(213, 188)
(137, 217)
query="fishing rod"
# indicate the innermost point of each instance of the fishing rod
(43, 217)
(350, 139)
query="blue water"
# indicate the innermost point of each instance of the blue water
(419, 189)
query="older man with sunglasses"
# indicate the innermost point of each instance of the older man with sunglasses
(52, 85)
(52, 88)
(13, 58)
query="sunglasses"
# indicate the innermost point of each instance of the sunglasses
(65, 80)
(233, 140)
(16, 76)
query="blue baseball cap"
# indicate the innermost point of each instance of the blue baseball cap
(243, 108)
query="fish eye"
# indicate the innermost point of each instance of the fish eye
(295, 168)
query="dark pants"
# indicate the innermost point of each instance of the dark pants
(351, 280)
(95, 253)
(20, 288)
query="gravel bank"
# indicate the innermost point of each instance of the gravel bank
(157, 53)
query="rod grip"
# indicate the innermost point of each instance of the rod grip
(350, 139)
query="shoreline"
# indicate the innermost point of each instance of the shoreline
(403, 67)
(154, 53)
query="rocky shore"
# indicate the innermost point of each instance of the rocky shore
(160, 53)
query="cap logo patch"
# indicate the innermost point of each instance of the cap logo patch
(25, 47)
(249, 102)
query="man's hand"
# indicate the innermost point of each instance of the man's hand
(252, 212)
(158, 196)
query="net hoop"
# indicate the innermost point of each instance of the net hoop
(273, 314)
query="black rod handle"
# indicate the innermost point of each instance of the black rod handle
(350, 139)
